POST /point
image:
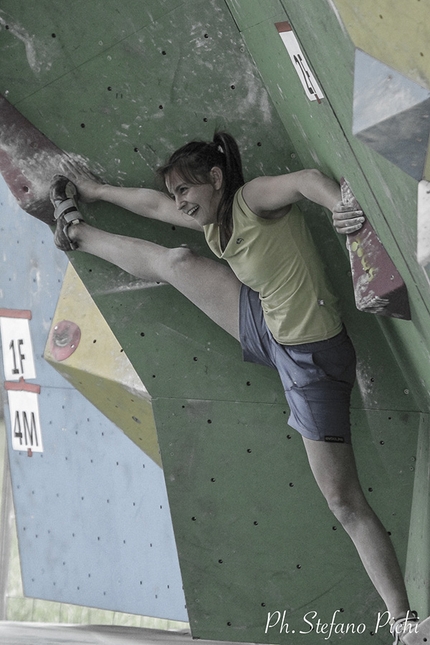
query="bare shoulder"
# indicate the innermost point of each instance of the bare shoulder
(252, 189)
(270, 197)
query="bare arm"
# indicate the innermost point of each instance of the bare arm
(142, 201)
(271, 197)
(147, 202)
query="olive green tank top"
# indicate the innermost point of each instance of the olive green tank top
(277, 258)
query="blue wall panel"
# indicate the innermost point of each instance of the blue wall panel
(93, 519)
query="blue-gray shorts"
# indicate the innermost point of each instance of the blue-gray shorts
(317, 377)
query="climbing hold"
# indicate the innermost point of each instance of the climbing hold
(64, 339)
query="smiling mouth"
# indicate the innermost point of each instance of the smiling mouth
(192, 210)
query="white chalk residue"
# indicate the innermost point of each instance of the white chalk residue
(310, 148)
(365, 384)
(39, 168)
(126, 287)
(258, 97)
(37, 55)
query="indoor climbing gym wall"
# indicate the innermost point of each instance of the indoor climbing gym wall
(119, 86)
(87, 498)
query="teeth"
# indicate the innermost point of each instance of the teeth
(192, 211)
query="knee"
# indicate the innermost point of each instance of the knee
(347, 508)
(179, 257)
(174, 262)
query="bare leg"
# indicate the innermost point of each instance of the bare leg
(334, 469)
(210, 285)
(214, 288)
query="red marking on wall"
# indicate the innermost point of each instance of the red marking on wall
(15, 313)
(283, 26)
(22, 386)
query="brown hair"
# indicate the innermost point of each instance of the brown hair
(194, 161)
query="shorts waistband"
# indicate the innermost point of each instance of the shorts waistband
(321, 344)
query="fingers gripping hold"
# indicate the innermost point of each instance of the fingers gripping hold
(86, 182)
(346, 220)
(348, 217)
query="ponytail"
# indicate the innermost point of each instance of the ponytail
(194, 161)
(233, 177)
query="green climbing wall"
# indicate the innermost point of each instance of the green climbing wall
(120, 85)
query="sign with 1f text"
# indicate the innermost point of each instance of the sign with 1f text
(19, 367)
(17, 349)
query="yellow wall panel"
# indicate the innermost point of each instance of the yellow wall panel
(393, 31)
(100, 369)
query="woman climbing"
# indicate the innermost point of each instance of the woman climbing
(271, 295)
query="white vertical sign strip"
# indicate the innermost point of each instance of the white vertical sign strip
(307, 79)
(423, 224)
(24, 419)
(18, 357)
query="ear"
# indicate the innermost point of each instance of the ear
(216, 177)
